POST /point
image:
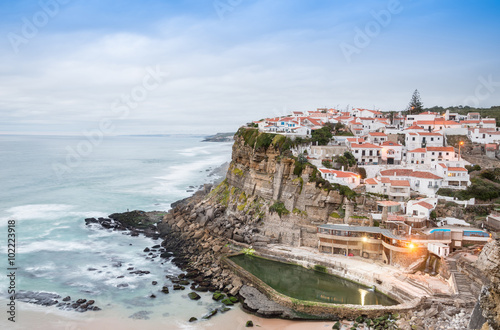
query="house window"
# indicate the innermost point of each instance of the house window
(432, 139)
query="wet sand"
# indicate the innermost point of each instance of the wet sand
(49, 318)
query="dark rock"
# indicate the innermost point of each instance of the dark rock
(178, 287)
(227, 302)
(81, 301)
(154, 282)
(249, 324)
(194, 296)
(122, 285)
(210, 314)
(121, 276)
(193, 319)
(152, 296)
(156, 246)
(68, 298)
(256, 302)
(201, 289)
(146, 250)
(130, 268)
(184, 282)
(224, 309)
(164, 289)
(217, 296)
(91, 269)
(91, 220)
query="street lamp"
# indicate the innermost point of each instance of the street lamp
(460, 144)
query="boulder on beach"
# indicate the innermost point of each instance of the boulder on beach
(194, 296)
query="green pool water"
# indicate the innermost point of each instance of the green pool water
(306, 284)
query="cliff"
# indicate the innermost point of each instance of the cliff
(489, 263)
(280, 197)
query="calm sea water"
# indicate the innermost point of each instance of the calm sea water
(54, 247)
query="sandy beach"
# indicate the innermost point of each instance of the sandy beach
(50, 318)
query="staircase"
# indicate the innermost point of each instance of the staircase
(462, 281)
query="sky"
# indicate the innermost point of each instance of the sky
(186, 66)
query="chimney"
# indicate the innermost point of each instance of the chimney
(342, 168)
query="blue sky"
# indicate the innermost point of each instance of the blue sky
(232, 61)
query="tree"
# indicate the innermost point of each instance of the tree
(327, 163)
(322, 135)
(415, 105)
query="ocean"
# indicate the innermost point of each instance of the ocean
(50, 184)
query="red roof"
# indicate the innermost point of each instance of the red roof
(418, 150)
(457, 169)
(425, 175)
(440, 149)
(425, 204)
(400, 183)
(391, 144)
(377, 134)
(397, 172)
(364, 145)
(414, 127)
(371, 181)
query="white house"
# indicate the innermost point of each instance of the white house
(366, 153)
(425, 116)
(421, 208)
(366, 113)
(430, 154)
(349, 179)
(484, 135)
(425, 183)
(414, 140)
(453, 177)
(376, 137)
(391, 153)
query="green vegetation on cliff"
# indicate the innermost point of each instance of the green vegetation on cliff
(279, 208)
(258, 140)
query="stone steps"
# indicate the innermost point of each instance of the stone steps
(462, 281)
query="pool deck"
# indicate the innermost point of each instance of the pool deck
(368, 272)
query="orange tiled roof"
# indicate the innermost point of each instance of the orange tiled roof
(425, 204)
(400, 183)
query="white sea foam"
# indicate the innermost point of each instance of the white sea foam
(195, 151)
(44, 212)
(51, 245)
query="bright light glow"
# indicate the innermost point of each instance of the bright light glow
(461, 143)
(365, 239)
(363, 294)
(411, 246)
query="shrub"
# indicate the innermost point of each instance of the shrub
(279, 208)
(327, 163)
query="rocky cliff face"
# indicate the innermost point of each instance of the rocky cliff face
(268, 175)
(489, 264)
